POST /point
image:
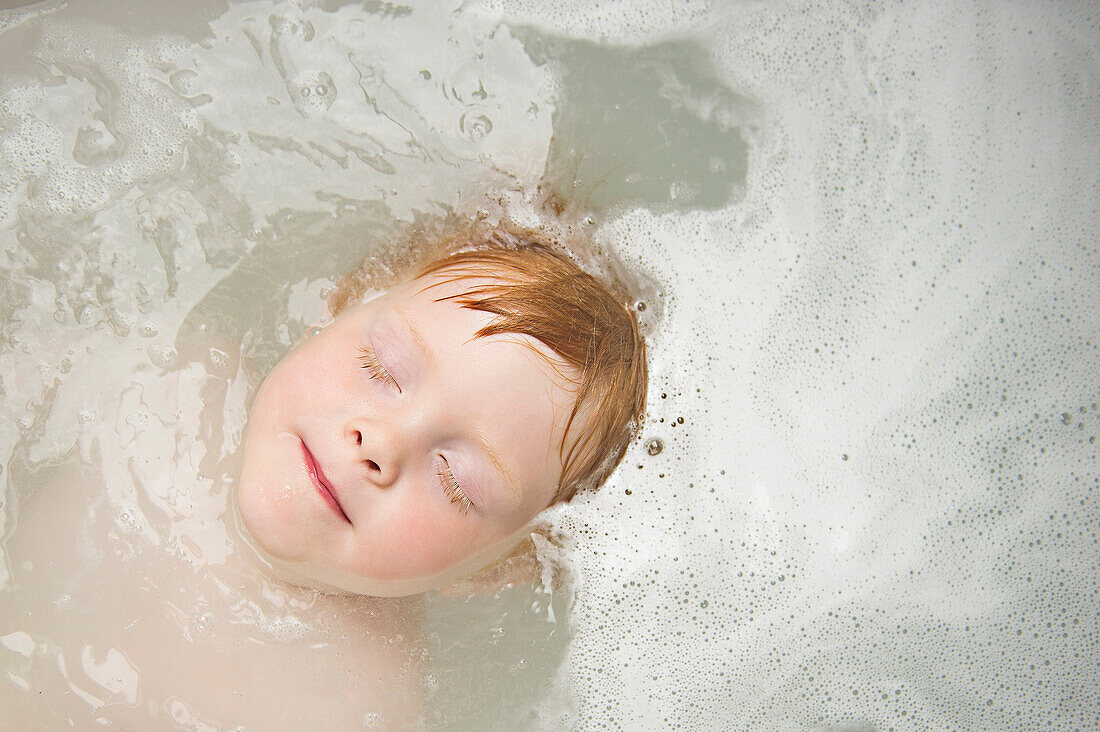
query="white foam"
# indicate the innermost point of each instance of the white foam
(466, 110)
(608, 21)
(104, 125)
(882, 357)
(879, 508)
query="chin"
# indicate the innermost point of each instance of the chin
(268, 524)
(325, 577)
(328, 576)
(272, 512)
(283, 544)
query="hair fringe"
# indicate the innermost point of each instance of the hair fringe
(536, 287)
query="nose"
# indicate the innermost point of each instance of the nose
(377, 449)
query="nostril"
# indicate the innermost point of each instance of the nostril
(358, 437)
(373, 466)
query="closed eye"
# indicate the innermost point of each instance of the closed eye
(451, 488)
(368, 360)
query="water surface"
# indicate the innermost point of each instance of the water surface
(871, 236)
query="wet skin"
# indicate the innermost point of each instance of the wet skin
(394, 451)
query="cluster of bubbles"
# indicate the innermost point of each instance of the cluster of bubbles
(152, 188)
(866, 493)
(87, 120)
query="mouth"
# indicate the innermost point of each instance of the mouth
(317, 477)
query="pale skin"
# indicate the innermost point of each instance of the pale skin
(437, 450)
(396, 451)
(116, 629)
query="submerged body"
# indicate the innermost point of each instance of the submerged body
(145, 639)
(402, 447)
(876, 228)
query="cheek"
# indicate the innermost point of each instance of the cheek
(304, 370)
(422, 539)
(312, 383)
(276, 513)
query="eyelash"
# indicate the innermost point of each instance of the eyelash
(368, 360)
(451, 487)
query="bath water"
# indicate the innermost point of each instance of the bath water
(865, 496)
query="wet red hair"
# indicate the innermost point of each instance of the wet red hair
(535, 288)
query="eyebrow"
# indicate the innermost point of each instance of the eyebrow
(418, 340)
(515, 494)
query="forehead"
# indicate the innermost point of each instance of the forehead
(436, 296)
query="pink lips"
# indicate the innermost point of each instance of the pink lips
(321, 483)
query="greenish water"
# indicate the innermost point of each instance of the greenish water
(866, 237)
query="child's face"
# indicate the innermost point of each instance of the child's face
(394, 451)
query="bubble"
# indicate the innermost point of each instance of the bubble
(282, 26)
(218, 358)
(202, 624)
(128, 522)
(121, 322)
(95, 145)
(137, 420)
(184, 81)
(683, 191)
(475, 125)
(654, 446)
(163, 357)
(312, 93)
